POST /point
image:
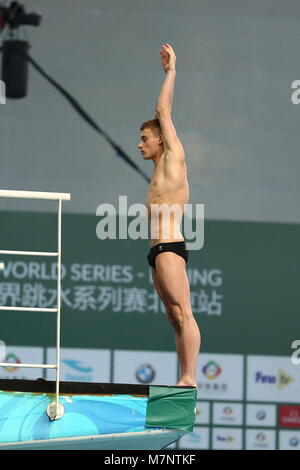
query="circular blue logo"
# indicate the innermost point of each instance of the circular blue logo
(294, 441)
(145, 373)
(261, 415)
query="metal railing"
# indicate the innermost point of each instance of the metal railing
(55, 409)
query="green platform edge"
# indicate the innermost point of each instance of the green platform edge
(171, 408)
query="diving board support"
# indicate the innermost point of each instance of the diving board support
(140, 440)
(55, 409)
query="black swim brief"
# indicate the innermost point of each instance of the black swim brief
(176, 247)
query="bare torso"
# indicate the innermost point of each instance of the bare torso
(169, 185)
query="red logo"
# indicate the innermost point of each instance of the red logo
(289, 416)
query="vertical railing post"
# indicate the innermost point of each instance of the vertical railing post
(58, 301)
(56, 410)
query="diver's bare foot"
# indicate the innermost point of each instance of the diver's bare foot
(186, 383)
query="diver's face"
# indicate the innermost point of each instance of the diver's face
(149, 144)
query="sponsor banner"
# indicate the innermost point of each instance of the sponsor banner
(202, 412)
(145, 367)
(260, 439)
(227, 439)
(289, 440)
(220, 376)
(230, 414)
(289, 416)
(198, 439)
(260, 415)
(25, 355)
(80, 365)
(272, 378)
(109, 288)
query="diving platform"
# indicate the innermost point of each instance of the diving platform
(96, 415)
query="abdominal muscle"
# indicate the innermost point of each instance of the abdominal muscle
(164, 227)
(165, 215)
(165, 220)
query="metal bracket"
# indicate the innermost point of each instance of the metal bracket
(54, 413)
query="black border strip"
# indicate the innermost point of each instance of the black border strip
(83, 388)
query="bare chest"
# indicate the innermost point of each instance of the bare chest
(168, 186)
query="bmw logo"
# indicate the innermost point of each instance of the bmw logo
(145, 373)
(294, 441)
(261, 415)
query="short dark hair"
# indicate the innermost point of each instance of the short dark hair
(153, 124)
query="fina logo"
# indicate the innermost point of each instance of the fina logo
(145, 373)
(282, 380)
(228, 438)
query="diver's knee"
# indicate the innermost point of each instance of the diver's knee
(175, 316)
